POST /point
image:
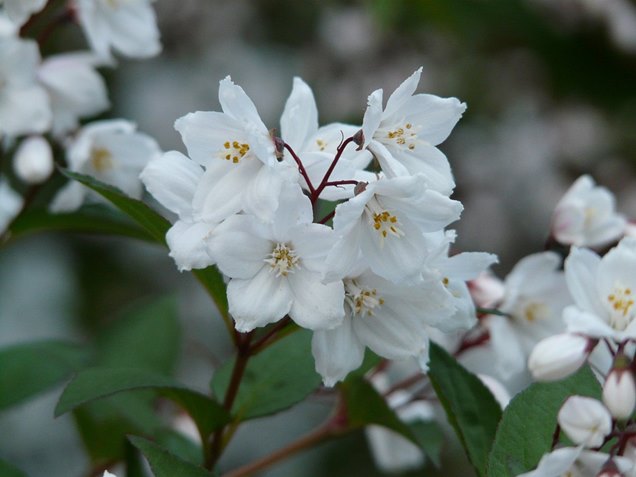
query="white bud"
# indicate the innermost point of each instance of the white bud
(108, 474)
(33, 161)
(619, 393)
(558, 356)
(585, 421)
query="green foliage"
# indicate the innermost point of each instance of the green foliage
(366, 406)
(430, 438)
(528, 424)
(275, 379)
(470, 407)
(31, 368)
(165, 464)
(95, 218)
(7, 470)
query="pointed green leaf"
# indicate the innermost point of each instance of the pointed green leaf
(275, 379)
(430, 439)
(28, 369)
(97, 383)
(94, 218)
(366, 406)
(150, 220)
(470, 407)
(165, 464)
(527, 425)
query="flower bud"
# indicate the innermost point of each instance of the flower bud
(619, 393)
(610, 469)
(559, 356)
(585, 420)
(33, 161)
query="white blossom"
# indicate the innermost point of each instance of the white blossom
(75, 89)
(403, 135)
(19, 11)
(24, 105)
(586, 215)
(33, 160)
(126, 26)
(112, 152)
(603, 291)
(585, 421)
(574, 462)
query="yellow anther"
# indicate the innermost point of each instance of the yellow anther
(101, 159)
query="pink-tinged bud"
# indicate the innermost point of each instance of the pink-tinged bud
(358, 138)
(619, 393)
(360, 188)
(585, 421)
(33, 161)
(559, 356)
(279, 146)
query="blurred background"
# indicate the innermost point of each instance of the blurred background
(551, 92)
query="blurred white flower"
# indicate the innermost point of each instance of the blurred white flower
(19, 11)
(76, 90)
(24, 105)
(127, 26)
(108, 474)
(558, 356)
(33, 160)
(585, 421)
(112, 152)
(574, 461)
(586, 216)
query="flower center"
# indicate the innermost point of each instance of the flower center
(321, 144)
(403, 136)
(383, 221)
(234, 151)
(101, 159)
(622, 306)
(283, 259)
(362, 301)
(535, 311)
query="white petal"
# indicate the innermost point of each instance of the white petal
(316, 306)
(300, 117)
(188, 243)
(312, 242)
(468, 265)
(431, 163)
(263, 196)
(172, 180)
(555, 463)
(10, 204)
(581, 269)
(337, 352)
(69, 198)
(343, 257)
(511, 359)
(260, 300)
(372, 116)
(402, 93)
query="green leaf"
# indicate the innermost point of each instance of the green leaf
(146, 337)
(430, 439)
(527, 426)
(150, 220)
(94, 218)
(275, 379)
(165, 464)
(7, 470)
(366, 406)
(470, 407)
(98, 383)
(28, 369)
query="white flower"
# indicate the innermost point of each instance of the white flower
(237, 152)
(127, 26)
(33, 160)
(619, 393)
(108, 474)
(75, 89)
(275, 269)
(535, 294)
(112, 152)
(603, 291)
(172, 179)
(317, 147)
(19, 11)
(10, 204)
(392, 320)
(24, 105)
(586, 216)
(558, 356)
(403, 136)
(585, 421)
(574, 462)
(385, 223)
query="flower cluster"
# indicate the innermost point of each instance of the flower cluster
(43, 100)
(258, 207)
